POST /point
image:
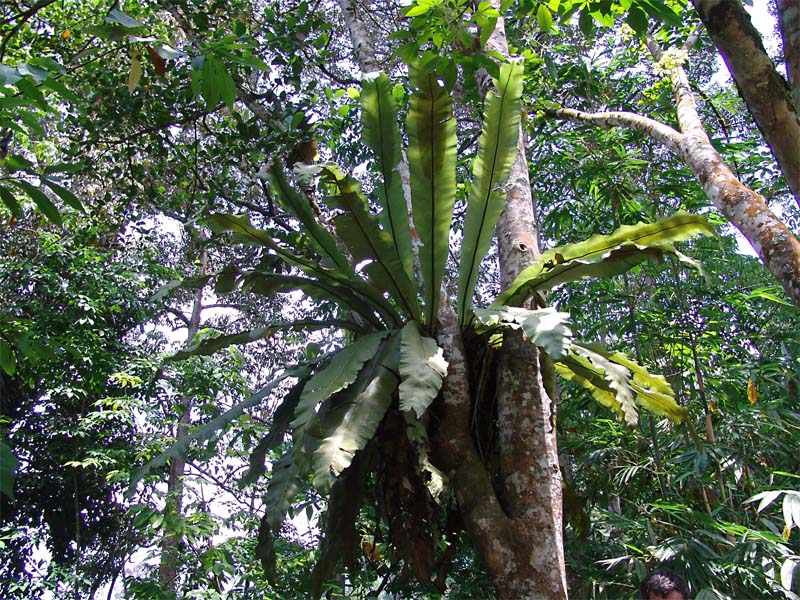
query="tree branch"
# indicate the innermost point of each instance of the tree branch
(789, 17)
(747, 210)
(653, 129)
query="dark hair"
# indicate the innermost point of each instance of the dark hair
(661, 582)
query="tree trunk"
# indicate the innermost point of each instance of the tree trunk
(530, 485)
(363, 48)
(173, 507)
(768, 97)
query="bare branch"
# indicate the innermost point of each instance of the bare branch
(650, 127)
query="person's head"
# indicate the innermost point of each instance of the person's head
(664, 584)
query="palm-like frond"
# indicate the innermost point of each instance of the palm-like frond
(359, 296)
(497, 148)
(366, 241)
(432, 162)
(339, 374)
(605, 255)
(422, 370)
(298, 206)
(619, 383)
(355, 414)
(382, 136)
(545, 327)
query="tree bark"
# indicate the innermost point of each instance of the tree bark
(747, 210)
(363, 48)
(765, 91)
(530, 478)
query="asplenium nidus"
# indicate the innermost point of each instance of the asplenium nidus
(363, 260)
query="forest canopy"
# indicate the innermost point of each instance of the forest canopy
(431, 299)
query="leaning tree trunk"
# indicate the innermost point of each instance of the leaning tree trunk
(747, 210)
(515, 526)
(768, 96)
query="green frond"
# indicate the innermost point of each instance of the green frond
(497, 148)
(432, 164)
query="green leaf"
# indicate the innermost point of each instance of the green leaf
(422, 370)
(61, 89)
(791, 509)
(544, 327)
(379, 116)
(284, 484)
(8, 198)
(339, 374)
(355, 417)
(497, 148)
(360, 232)
(111, 31)
(432, 161)
(224, 81)
(9, 75)
(36, 73)
(210, 85)
(637, 19)
(8, 362)
(165, 289)
(298, 206)
(32, 92)
(246, 60)
(340, 542)
(486, 32)
(619, 383)
(280, 425)
(660, 11)
(653, 392)
(210, 346)
(205, 432)
(544, 18)
(15, 163)
(607, 382)
(117, 16)
(586, 23)
(40, 199)
(323, 289)
(788, 568)
(604, 255)
(768, 293)
(764, 498)
(8, 466)
(364, 299)
(417, 10)
(135, 74)
(65, 194)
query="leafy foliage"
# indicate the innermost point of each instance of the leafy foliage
(422, 370)
(114, 126)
